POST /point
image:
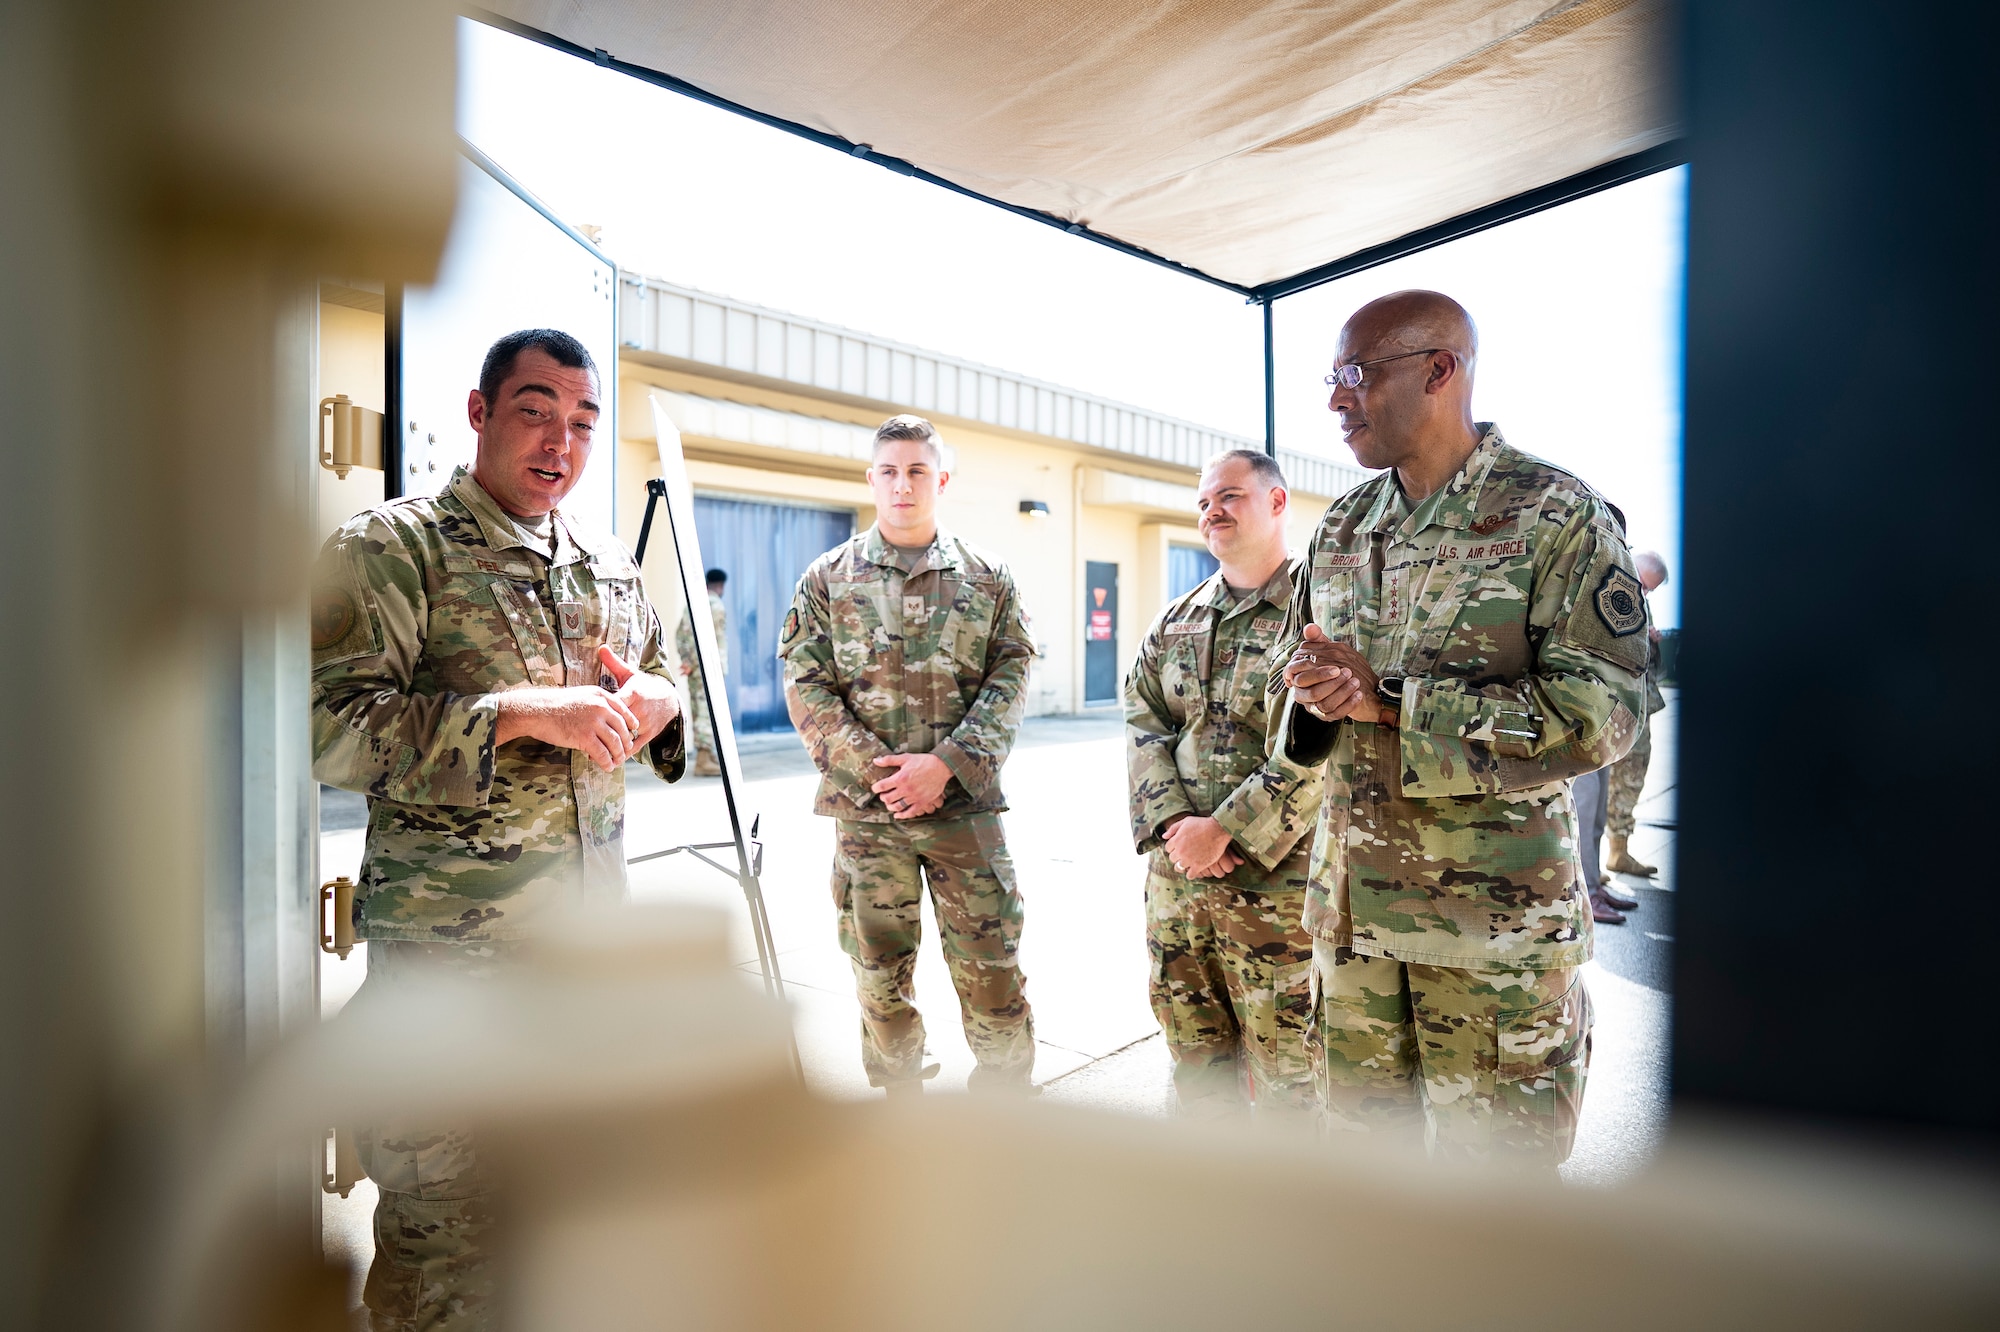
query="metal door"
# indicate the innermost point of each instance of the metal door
(1100, 633)
(511, 264)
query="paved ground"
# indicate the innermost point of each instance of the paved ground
(1083, 950)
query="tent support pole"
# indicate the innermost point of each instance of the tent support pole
(1270, 386)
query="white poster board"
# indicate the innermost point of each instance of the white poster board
(507, 266)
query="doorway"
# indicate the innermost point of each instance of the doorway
(764, 548)
(1100, 633)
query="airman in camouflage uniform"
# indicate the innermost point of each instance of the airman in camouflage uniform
(1445, 901)
(1232, 964)
(705, 764)
(1222, 823)
(892, 651)
(429, 612)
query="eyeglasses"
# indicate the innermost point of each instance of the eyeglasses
(1349, 376)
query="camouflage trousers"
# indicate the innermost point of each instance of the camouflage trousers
(1231, 986)
(879, 874)
(1628, 779)
(703, 734)
(434, 1210)
(1485, 1064)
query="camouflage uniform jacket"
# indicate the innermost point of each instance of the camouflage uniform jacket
(684, 636)
(1655, 700)
(1195, 722)
(1507, 601)
(882, 662)
(427, 609)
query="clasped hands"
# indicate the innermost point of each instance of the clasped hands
(1334, 682)
(1200, 847)
(916, 787)
(608, 725)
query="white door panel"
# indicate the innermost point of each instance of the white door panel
(508, 266)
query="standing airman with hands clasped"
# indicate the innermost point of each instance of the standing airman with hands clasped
(1470, 635)
(906, 658)
(1228, 828)
(483, 666)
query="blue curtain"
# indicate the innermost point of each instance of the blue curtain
(763, 548)
(1186, 567)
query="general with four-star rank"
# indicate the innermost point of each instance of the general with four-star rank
(1469, 636)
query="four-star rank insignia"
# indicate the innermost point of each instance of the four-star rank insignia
(1621, 602)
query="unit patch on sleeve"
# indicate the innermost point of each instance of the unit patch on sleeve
(1621, 602)
(791, 626)
(1609, 610)
(332, 617)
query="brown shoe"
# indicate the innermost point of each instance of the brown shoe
(1617, 900)
(1602, 911)
(705, 764)
(1620, 861)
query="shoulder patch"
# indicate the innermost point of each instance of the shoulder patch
(1620, 602)
(1610, 609)
(791, 627)
(342, 623)
(332, 617)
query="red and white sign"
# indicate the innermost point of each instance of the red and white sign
(1100, 626)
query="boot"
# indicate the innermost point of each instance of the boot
(1621, 861)
(910, 1086)
(1602, 911)
(705, 764)
(1619, 902)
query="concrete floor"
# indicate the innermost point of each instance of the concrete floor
(1083, 950)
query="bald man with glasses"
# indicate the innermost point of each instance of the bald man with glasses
(1469, 637)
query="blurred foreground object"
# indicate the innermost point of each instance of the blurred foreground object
(178, 177)
(659, 1168)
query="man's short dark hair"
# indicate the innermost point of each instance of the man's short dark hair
(500, 357)
(907, 426)
(714, 576)
(1262, 465)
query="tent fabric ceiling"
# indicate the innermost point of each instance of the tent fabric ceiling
(1249, 141)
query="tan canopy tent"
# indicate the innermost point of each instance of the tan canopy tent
(1256, 144)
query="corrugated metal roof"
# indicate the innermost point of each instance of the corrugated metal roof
(731, 335)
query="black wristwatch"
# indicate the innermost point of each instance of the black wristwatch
(1390, 689)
